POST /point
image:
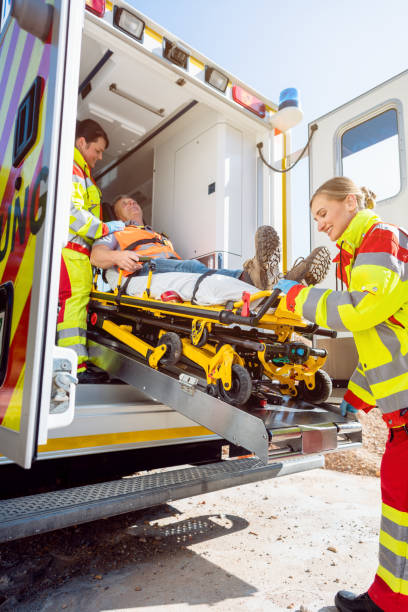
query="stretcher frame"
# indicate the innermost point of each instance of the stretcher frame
(258, 357)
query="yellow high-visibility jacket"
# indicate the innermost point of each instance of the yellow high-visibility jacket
(85, 224)
(374, 265)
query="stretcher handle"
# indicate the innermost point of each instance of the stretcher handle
(226, 316)
(314, 329)
(270, 302)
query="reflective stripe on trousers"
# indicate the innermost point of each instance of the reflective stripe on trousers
(75, 287)
(390, 587)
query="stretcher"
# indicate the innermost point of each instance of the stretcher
(252, 347)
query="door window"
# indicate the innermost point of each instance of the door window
(370, 154)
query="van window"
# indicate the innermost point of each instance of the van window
(370, 154)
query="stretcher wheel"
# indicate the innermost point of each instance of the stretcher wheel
(322, 390)
(174, 348)
(241, 386)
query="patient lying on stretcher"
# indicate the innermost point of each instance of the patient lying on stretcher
(122, 250)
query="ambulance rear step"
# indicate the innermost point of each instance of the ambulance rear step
(26, 516)
(289, 428)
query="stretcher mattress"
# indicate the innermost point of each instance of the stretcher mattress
(213, 290)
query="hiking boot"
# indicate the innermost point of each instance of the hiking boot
(348, 602)
(262, 271)
(312, 269)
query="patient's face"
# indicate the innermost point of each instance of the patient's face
(127, 209)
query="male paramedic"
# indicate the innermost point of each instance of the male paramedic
(85, 226)
(123, 249)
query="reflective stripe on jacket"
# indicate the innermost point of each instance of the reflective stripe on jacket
(375, 308)
(145, 242)
(85, 223)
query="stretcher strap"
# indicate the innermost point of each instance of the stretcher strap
(152, 240)
(198, 283)
(123, 288)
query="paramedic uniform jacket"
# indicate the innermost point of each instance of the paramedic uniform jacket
(85, 226)
(85, 223)
(373, 263)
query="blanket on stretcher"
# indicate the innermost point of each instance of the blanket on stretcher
(215, 289)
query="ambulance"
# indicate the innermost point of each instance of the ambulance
(197, 149)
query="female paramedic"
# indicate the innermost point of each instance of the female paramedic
(373, 265)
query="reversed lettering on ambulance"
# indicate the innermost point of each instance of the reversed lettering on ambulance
(23, 59)
(29, 214)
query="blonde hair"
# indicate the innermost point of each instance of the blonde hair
(339, 187)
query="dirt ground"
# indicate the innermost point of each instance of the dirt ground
(284, 544)
(365, 460)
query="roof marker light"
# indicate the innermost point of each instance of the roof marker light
(175, 54)
(249, 101)
(129, 23)
(216, 79)
(289, 112)
(97, 7)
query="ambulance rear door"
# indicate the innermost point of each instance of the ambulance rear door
(365, 140)
(36, 145)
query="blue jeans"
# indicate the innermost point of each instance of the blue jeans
(184, 265)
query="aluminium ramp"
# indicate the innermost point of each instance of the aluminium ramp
(182, 394)
(311, 429)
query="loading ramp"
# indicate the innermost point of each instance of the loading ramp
(294, 425)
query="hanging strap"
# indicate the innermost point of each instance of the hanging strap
(199, 281)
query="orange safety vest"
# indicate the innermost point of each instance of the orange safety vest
(145, 242)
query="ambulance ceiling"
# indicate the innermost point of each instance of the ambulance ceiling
(113, 95)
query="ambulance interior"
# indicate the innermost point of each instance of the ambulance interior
(189, 157)
(185, 154)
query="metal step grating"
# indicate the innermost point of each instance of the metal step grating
(26, 516)
(24, 506)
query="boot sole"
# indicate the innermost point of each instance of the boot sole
(267, 242)
(313, 269)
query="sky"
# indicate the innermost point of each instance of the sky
(330, 50)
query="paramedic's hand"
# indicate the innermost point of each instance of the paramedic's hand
(127, 260)
(115, 226)
(347, 410)
(285, 285)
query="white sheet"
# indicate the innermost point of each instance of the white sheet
(214, 289)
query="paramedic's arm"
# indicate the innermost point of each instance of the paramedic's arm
(104, 257)
(377, 291)
(81, 221)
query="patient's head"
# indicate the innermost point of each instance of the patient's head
(127, 209)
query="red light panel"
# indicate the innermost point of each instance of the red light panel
(97, 7)
(248, 101)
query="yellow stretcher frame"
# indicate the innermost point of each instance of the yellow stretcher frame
(216, 363)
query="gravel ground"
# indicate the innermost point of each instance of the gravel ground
(365, 460)
(284, 544)
(278, 545)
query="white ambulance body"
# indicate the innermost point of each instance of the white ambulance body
(366, 140)
(183, 142)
